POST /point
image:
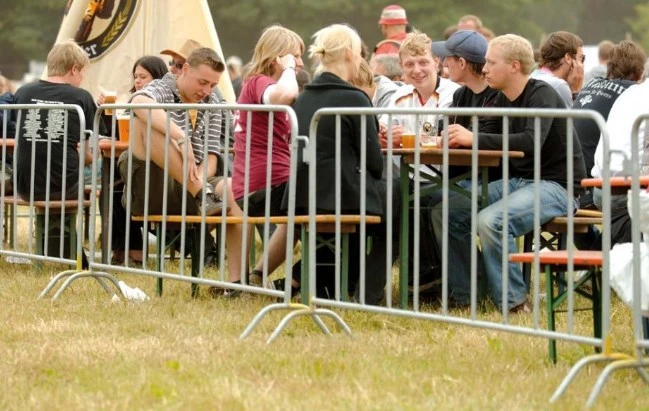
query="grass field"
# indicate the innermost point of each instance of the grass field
(86, 352)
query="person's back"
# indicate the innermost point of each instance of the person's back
(393, 24)
(61, 128)
(625, 69)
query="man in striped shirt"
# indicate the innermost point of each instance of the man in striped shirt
(193, 140)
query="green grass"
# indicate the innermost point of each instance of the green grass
(86, 352)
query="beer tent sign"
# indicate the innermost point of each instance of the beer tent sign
(115, 33)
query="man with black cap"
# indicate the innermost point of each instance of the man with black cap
(464, 57)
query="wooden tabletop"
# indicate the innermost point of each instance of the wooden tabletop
(615, 182)
(457, 156)
(580, 258)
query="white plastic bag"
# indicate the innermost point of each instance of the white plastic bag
(133, 294)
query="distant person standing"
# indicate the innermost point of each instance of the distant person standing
(393, 23)
(469, 22)
(604, 50)
(234, 65)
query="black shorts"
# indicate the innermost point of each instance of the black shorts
(257, 201)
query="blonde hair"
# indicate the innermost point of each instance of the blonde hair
(330, 43)
(516, 48)
(64, 56)
(364, 77)
(416, 44)
(275, 41)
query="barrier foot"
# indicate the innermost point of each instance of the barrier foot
(614, 366)
(590, 359)
(96, 275)
(315, 313)
(261, 314)
(55, 280)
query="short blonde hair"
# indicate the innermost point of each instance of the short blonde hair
(330, 43)
(516, 48)
(275, 41)
(416, 44)
(364, 77)
(64, 56)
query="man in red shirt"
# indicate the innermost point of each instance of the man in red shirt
(393, 24)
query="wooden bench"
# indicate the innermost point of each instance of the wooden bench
(555, 263)
(70, 208)
(557, 228)
(325, 223)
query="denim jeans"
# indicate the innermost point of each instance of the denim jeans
(520, 212)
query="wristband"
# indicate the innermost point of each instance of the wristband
(181, 142)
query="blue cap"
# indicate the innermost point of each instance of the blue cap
(468, 44)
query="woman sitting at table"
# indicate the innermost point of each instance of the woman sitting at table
(337, 51)
(145, 70)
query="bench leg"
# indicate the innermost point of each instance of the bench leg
(195, 252)
(549, 282)
(597, 304)
(344, 280)
(159, 257)
(304, 262)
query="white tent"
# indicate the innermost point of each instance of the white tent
(115, 33)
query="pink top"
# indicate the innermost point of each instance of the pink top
(252, 93)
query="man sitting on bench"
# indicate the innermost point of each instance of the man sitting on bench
(199, 75)
(509, 61)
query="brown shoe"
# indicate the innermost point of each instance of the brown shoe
(522, 308)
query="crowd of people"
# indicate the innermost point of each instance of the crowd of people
(471, 67)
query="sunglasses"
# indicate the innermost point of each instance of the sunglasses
(176, 64)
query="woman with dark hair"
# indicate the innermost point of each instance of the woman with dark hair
(146, 69)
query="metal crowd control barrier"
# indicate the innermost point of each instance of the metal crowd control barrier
(145, 134)
(618, 360)
(443, 156)
(56, 213)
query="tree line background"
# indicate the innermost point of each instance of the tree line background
(28, 28)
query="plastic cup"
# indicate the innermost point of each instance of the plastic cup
(408, 140)
(110, 97)
(123, 122)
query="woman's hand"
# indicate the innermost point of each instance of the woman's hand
(101, 99)
(287, 61)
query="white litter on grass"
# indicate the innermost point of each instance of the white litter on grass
(132, 294)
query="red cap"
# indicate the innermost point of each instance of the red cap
(393, 14)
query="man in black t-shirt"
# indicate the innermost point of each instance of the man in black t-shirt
(58, 130)
(509, 61)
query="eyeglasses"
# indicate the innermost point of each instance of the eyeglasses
(176, 64)
(582, 57)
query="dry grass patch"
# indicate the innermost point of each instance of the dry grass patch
(85, 352)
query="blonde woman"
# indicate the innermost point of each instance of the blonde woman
(271, 80)
(337, 51)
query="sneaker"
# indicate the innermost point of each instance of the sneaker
(255, 278)
(213, 204)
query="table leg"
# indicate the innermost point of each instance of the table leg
(404, 184)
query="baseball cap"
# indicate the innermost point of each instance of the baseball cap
(468, 44)
(393, 14)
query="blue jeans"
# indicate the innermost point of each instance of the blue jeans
(520, 212)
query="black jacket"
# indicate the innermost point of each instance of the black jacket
(328, 90)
